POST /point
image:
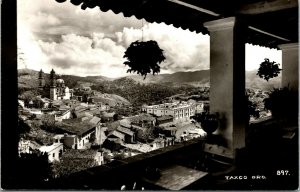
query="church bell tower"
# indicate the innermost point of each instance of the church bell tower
(41, 80)
(53, 94)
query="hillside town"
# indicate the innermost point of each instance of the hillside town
(75, 125)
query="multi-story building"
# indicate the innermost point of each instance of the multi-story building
(179, 110)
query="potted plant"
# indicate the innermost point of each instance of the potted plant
(144, 57)
(208, 121)
(268, 69)
(283, 104)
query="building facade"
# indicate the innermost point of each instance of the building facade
(54, 151)
(179, 110)
(80, 133)
(59, 116)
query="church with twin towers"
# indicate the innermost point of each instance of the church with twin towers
(55, 89)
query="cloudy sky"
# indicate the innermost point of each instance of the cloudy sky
(90, 42)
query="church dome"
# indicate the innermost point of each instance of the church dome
(60, 81)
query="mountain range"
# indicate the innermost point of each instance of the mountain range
(29, 78)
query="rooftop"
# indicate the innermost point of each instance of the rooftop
(80, 154)
(95, 120)
(117, 134)
(77, 126)
(125, 130)
(173, 105)
(113, 125)
(164, 117)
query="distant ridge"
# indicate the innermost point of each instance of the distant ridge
(178, 77)
(29, 78)
(202, 78)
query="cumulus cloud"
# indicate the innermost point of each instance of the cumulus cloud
(30, 54)
(98, 54)
(49, 18)
(93, 55)
(256, 55)
(183, 49)
(90, 42)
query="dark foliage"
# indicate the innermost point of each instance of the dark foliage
(209, 121)
(28, 95)
(22, 90)
(73, 162)
(112, 146)
(23, 127)
(268, 69)
(33, 171)
(48, 123)
(144, 57)
(158, 130)
(252, 108)
(139, 94)
(119, 156)
(283, 103)
(146, 135)
(73, 81)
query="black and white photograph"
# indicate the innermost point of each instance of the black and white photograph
(149, 95)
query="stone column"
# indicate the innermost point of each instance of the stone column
(227, 82)
(290, 69)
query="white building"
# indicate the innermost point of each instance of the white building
(80, 132)
(59, 116)
(54, 151)
(179, 110)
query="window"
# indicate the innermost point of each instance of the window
(53, 154)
